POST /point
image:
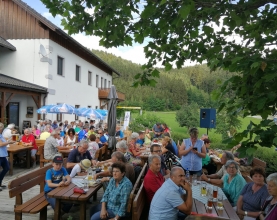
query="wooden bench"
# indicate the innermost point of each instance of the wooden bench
(37, 204)
(140, 209)
(136, 188)
(42, 160)
(98, 155)
(39, 143)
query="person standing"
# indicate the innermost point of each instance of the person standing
(192, 151)
(3, 156)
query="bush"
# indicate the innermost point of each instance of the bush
(269, 155)
(144, 121)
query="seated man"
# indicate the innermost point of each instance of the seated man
(156, 149)
(50, 146)
(78, 154)
(153, 180)
(217, 178)
(157, 130)
(170, 201)
(119, 133)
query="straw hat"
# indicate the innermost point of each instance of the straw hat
(85, 164)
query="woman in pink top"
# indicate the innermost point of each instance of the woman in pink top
(35, 131)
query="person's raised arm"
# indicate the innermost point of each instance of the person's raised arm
(183, 151)
(186, 207)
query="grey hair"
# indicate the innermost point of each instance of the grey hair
(54, 132)
(119, 156)
(27, 129)
(83, 142)
(152, 157)
(35, 126)
(193, 132)
(121, 144)
(1, 125)
(174, 170)
(272, 177)
(229, 162)
(229, 155)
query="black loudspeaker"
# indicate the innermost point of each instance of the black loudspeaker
(207, 118)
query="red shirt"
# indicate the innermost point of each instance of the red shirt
(30, 139)
(152, 183)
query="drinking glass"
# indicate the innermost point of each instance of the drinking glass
(86, 185)
(210, 202)
(203, 189)
(215, 193)
(105, 167)
(194, 179)
(220, 202)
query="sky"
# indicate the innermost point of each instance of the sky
(134, 53)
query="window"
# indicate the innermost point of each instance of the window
(96, 107)
(109, 84)
(89, 106)
(89, 78)
(76, 117)
(105, 83)
(60, 66)
(78, 73)
(101, 82)
(97, 81)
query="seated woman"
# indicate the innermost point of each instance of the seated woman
(115, 199)
(166, 129)
(92, 146)
(167, 145)
(70, 139)
(253, 195)
(133, 148)
(269, 209)
(206, 162)
(233, 183)
(147, 137)
(35, 131)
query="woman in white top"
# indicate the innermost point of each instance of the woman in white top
(92, 145)
(70, 138)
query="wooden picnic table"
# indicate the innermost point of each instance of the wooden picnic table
(15, 149)
(66, 194)
(64, 151)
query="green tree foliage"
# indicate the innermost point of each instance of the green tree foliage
(144, 121)
(237, 36)
(188, 115)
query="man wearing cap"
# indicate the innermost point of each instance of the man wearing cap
(78, 154)
(157, 130)
(8, 131)
(50, 146)
(83, 165)
(55, 177)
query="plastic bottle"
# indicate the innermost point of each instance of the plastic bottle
(187, 175)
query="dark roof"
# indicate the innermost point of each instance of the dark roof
(6, 44)
(53, 27)
(10, 82)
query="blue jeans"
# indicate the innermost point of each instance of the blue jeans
(96, 210)
(52, 201)
(6, 166)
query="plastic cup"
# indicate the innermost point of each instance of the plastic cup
(86, 185)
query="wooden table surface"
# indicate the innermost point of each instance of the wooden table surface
(14, 149)
(66, 194)
(64, 151)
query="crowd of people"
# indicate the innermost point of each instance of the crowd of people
(168, 193)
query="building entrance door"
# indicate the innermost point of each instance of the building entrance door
(12, 110)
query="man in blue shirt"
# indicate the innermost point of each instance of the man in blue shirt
(103, 139)
(54, 125)
(170, 201)
(157, 130)
(140, 139)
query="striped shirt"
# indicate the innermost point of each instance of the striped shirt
(253, 202)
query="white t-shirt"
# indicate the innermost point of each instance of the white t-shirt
(7, 133)
(76, 169)
(92, 148)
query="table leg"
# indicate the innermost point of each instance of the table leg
(28, 158)
(83, 211)
(11, 163)
(57, 211)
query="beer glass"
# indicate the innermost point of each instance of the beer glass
(86, 185)
(220, 202)
(215, 192)
(194, 179)
(203, 189)
(210, 202)
(105, 167)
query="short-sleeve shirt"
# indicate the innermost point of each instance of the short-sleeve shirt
(140, 141)
(252, 202)
(75, 157)
(76, 169)
(165, 202)
(156, 129)
(54, 175)
(50, 148)
(152, 183)
(92, 148)
(103, 140)
(3, 150)
(30, 139)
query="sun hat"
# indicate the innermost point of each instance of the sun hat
(85, 164)
(58, 159)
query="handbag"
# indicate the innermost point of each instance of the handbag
(79, 190)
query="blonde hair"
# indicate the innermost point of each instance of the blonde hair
(167, 139)
(193, 132)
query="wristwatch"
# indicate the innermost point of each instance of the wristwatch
(245, 213)
(209, 179)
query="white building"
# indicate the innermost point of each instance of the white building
(40, 64)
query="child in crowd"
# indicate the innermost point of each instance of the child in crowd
(77, 169)
(55, 177)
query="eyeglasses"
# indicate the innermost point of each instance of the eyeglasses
(157, 151)
(232, 167)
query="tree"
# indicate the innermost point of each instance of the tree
(238, 36)
(188, 115)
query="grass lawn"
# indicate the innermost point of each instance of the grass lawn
(169, 119)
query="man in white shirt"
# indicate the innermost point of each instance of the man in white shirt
(7, 133)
